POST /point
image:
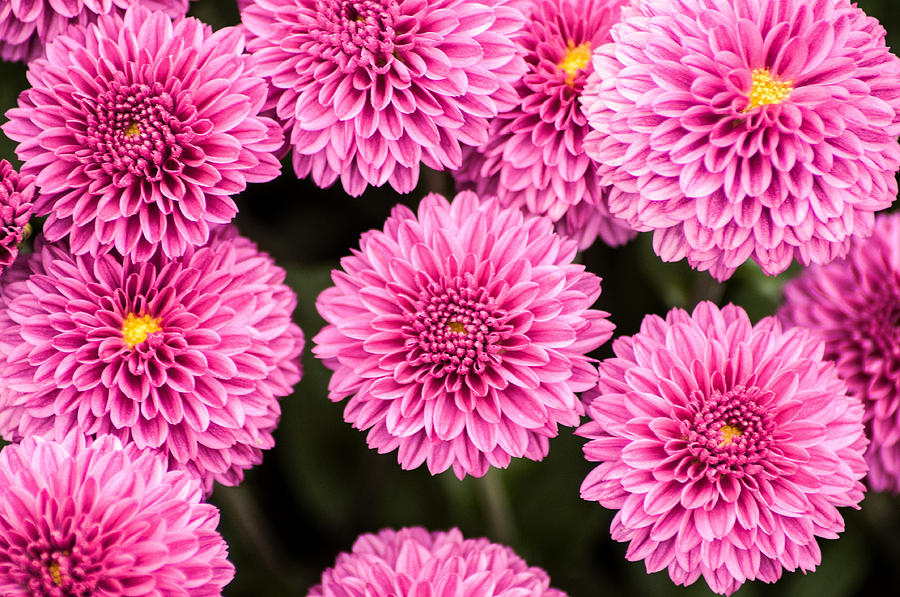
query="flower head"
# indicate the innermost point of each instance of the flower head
(368, 89)
(26, 27)
(460, 332)
(534, 158)
(186, 356)
(725, 447)
(138, 129)
(853, 304)
(82, 517)
(16, 196)
(414, 561)
(736, 130)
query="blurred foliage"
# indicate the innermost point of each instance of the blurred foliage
(321, 487)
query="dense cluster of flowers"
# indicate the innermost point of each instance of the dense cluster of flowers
(746, 129)
(460, 333)
(82, 517)
(854, 306)
(534, 157)
(16, 205)
(188, 356)
(414, 561)
(725, 447)
(369, 89)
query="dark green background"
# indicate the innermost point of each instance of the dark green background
(321, 486)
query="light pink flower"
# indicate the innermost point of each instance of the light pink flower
(725, 447)
(460, 335)
(186, 356)
(138, 130)
(93, 518)
(369, 89)
(534, 158)
(16, 197)
(414, 561)
(763, 129)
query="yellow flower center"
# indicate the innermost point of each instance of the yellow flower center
(133, 129)
(729, 432)
(767, 90)
(456, 326)
(136, 329)
(55, 574)
(575, 59)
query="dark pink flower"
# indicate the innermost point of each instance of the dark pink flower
(26, 26)
(737, 130)
(460, 334)
(414, 561)
(368, 89)
(853, 305)
(187, 356)
(138, 130)
(16, 197)
(93, 518)
(725, 447)
(534, 158)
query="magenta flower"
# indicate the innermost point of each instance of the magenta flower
(26, 26)
(854, 306)
(724, 446)
(186, 356)
(460, 332)
(138, 130)
(368, 89)
(533, 158)
(736, 130)
(93, 518)
(16, 196)
(414, 561)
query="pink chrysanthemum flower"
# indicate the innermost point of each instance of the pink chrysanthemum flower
(368, 89)
(93, 518)
(724, 446)
(187, 356)
(26, 26)
(735, 130)
(853, 304)
(414, 561)
(460, 332)
(16, 196)
(138, 130)
(534, 158)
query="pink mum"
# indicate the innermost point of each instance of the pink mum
(138, 130)
(414, 561)
(534, 158)
(725, 447)
(763, 129)
(460, 335)
(186, 356)
(93, 518)
(368, 89)
(16, 196)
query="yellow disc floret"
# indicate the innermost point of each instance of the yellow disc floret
(767, 90)
(55, 573)
(729, 432)
(456, 326)
(133, 129)
(575, 59)
(136, 329)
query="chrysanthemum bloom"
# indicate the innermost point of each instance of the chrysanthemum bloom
(724, 446)
(460, 332)
(93, 518)
(735, 130)
(414, 561)
(16, 196)
(26, 26)
(187, 356)
(368, 89)
(138, 130)
(534, 158)
(853, 304)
